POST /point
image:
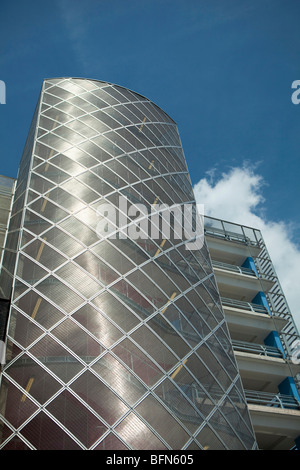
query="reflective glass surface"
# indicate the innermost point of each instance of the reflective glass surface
(113, 342)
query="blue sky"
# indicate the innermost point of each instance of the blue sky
(223, 69)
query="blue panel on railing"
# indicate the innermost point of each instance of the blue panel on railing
(261, 299)
(249, 263)
(288, 387)
(273, 339)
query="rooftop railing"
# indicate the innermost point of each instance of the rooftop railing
(231, 231)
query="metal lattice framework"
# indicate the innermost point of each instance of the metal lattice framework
(112, 343)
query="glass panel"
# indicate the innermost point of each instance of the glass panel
(29, 271)
(5, 433)
(181, 324)
(208, 440)
(195, 317)
(65, 200)
(92, 98)
(79, 231)
(99, 154)
(234, 418)
(45, 255)
(99, 397)
(50, 99)
(98, 325)
(159, 277)
(35, 223)
(120, 142)
(69, 109)
(80, 190)
(65, 163)
(77, 418)
(120, 379)
(18, 288)
(82, 104)
(105, 96)
(80, 156)
(222, 349)
(39, 309)
(159, 418)
(130, 249)
(59, 294)
(57, 115)
(34, 379)
(78, 279)
(115, 113)
(76, 339)
(63, 242)
(18, 408)
(48, 210)
(55, 142)
(225, 433)
(154, 347)
(102, 116)
(101, 187)
(138, 435)
(23, 330)
(40, 184)
(51, 172)
(131, 297)
(91, 121)
(15, 443)
(97, 268)
(215, 367)
(56, 358)
(116, 311)
(82, 129)
(151, 291)
(111, 442)
(57, 91)
(108, 253)
(204, 377)
(165, 331)
(138, 362)
(109, 176)
(178, 405)
(44, 434)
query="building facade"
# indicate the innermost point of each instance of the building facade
(263, 333)
(115, 339)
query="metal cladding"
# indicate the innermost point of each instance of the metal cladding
(113, 342)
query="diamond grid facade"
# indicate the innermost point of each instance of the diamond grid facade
(112, 344)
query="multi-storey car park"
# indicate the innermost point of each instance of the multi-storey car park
(114, 343)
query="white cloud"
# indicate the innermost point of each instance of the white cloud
(237, 197)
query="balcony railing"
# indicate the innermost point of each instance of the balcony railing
(233, 268)
(231, 235)
(273, 400)
(260, 349)
(243, 305)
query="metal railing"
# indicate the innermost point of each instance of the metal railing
(233, 268)
(260, 349)
(226, 302)
(278, 400)
(231, 231)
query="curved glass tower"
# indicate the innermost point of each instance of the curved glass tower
(116, 338)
